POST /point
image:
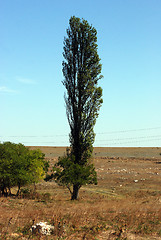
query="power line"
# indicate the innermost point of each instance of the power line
(101, 142)
(130, 130)
(130, 138)
(130, 142)
(142, 139)
(101, 133)
(44, 136)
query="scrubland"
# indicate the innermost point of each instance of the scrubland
(126, 203)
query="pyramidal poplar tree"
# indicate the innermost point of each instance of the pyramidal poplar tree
(83, 99)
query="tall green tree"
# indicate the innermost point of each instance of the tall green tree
(83, 98)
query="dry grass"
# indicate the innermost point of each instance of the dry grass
(118, 208)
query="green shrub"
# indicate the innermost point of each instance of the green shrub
(20, 166)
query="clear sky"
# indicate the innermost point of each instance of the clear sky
(32, 95)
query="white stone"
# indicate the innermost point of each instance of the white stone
(136, 181)
(43, 228)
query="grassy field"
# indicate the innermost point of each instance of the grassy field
(126, 203)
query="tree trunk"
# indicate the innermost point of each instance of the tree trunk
(9, 192)
(34, 187)
(75, 192)
(3, 190)
(18, 191)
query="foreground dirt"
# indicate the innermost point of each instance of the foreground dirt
(126, 203)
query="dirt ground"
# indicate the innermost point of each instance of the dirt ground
(126, 203)
(126, 152)
(120, 170)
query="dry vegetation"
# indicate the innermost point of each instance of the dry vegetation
(126, 204)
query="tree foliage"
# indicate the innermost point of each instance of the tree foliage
(71, 174)
(20, 166)
(82, 71)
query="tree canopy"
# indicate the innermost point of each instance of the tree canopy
(83, 98)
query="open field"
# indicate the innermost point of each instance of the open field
(136, 152)
(126, 203)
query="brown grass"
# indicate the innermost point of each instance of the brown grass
(117, 208)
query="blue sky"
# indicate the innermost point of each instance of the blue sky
(32, 95)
